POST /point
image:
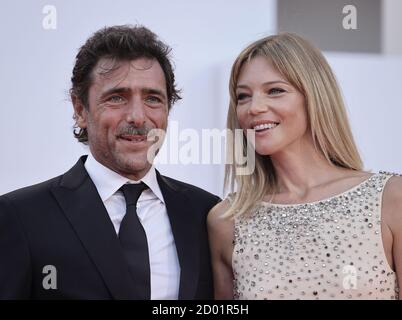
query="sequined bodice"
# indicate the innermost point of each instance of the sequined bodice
(329, 249)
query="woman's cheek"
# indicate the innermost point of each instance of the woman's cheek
(242, 118)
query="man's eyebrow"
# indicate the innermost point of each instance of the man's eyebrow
(125, 90)
(120, 90)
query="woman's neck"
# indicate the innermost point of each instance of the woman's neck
(301, 168)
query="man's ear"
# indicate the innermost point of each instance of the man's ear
(80, 112)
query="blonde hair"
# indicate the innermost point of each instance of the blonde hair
(307, 70)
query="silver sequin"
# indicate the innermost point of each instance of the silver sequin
(329, 249)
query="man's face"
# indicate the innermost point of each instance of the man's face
(124, 105)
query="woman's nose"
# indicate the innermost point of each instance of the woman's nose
(258, 105)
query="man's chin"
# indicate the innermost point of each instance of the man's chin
(133, 163)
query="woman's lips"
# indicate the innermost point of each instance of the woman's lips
(259, 133)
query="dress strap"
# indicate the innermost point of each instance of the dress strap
(388, 173)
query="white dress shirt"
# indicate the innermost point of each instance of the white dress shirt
(151, 210)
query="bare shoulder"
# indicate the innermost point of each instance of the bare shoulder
(392, 203)
(221, 235)
(218, 210)
(216, 219)
(393, 191)
(221, 229)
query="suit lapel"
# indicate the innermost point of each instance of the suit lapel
(185, 229)
(81, 204)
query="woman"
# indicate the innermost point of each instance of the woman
(308, 223)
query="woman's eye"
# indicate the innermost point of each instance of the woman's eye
(241, 96)
(275, 91)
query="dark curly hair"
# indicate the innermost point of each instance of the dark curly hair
(120, 43)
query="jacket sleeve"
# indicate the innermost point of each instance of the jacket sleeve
(15, 264)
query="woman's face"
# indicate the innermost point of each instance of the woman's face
(270, 105)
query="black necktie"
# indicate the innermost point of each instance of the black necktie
(134, 241)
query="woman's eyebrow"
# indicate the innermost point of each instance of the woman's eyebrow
(243, 86)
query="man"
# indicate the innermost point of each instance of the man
(111, 227)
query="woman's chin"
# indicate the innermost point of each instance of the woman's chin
(265, 150)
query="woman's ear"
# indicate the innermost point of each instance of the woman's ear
(80, 112)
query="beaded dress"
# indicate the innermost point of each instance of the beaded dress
(328, 249)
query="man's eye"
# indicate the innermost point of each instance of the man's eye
(115, 99)
(275, 91)
(153, 99)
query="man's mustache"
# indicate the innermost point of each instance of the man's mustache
(134, 130)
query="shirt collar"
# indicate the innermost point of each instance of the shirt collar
(108, 182)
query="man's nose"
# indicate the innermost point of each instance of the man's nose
(136, 112)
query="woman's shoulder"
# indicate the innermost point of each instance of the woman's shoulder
(216, 216)
(393, 188)
(221, 230)
(392, 200)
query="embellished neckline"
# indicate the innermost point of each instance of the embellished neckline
(338, 195)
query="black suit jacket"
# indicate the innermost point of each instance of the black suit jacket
(63, 223)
